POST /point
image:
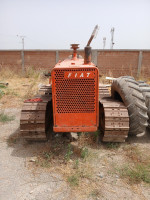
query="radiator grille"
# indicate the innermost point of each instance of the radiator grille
(74, 95)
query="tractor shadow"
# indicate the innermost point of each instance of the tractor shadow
(60, 149)
(141, 138)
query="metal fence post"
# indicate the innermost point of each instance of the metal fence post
(22, 58)
(139, 63)
(57, 56)
(94, 57)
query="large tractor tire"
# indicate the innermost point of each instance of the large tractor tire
(127, 90)
(145, 89)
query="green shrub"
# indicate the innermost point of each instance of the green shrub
(5, 118)
(137, 173)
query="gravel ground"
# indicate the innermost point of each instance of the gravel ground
(19, 181)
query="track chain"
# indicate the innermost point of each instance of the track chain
(33, 115)
(114, 119)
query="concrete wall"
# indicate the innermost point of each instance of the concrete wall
(110, 62)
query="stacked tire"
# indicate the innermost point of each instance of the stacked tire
(145, 88)
(127, 90)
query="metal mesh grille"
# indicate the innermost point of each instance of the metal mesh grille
(74, 95)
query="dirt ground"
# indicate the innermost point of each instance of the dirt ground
(24, 175)
(85, 169)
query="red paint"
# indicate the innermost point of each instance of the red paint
(75, 96)
(34, 100)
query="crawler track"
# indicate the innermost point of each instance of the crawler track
(33, 122)
(36, 117)
(114, 119)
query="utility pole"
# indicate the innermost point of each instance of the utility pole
(112, 37)
(104, 42)
(22, 52)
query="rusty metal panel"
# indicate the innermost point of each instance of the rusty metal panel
(115, 133)
(33, 107)
(116, 113)
(33, 116)
(30, 127)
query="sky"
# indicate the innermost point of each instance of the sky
(55, 24)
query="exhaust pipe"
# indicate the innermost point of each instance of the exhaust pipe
(87, 55)
(87, 49)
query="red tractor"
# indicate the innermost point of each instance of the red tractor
(76, 102)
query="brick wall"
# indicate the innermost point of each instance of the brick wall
(40, 59)
(110, 62)
(10, 59)
(118, 63)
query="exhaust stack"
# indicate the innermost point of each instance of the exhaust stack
(87, 49)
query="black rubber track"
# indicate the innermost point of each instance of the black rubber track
(145, 88)
(127, 90)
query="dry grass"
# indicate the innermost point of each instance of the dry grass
(137, 155)
(81, 169)
(76, 168)
(137, 173)
(25, 86)
(20, 87)
(137, 167)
